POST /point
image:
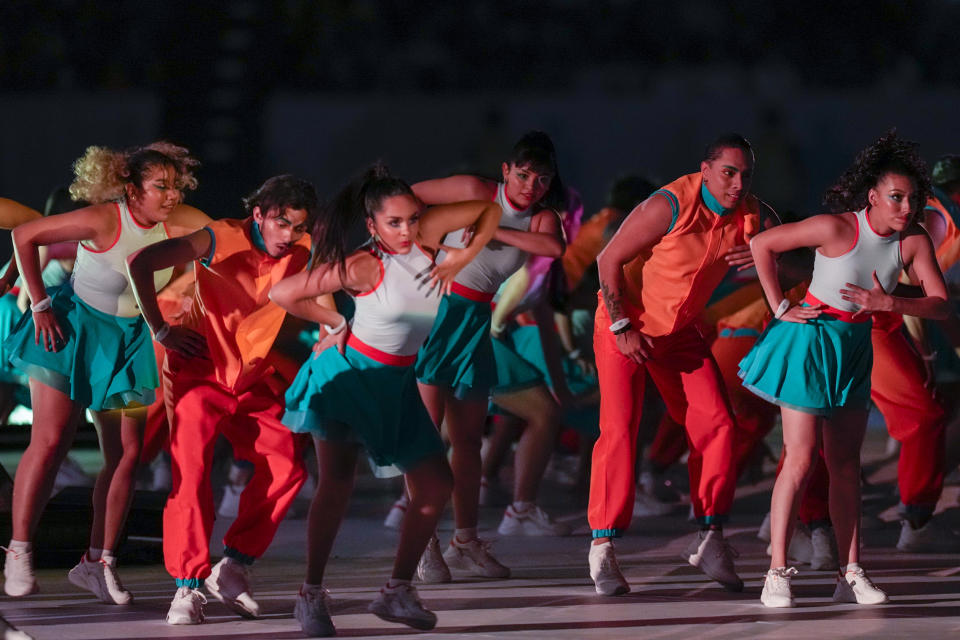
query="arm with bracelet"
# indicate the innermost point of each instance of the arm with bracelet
(643, 228)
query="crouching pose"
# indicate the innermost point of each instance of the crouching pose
(814, 359)
(361, 389)
(216, 379)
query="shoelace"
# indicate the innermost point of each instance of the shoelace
(199, 594)
(28, 570)
(783, 573)
(860, 575)
(314, 595)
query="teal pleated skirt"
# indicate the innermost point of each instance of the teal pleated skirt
(817, 367)
(458, 354)
(352, 398)
(107, 362)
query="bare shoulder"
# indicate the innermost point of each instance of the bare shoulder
(363, 271)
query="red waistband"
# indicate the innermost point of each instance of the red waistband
(380, 356)
(471, 294)
(833, 312)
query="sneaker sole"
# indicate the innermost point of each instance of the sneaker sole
(619, 591)
(183, 621)
(421, 625)
(233, 605)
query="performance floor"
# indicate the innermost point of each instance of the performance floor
(551, 595)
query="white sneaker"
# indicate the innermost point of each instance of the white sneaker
(229, 582)
(18, 573)
(474, 556)
(230, 502)
(712, 554)
(533, 521)
(646, 505)
(394, 518)
(855, 586)
(187, 607)
(312, 611)
(10, 632)
(776, 588)
(605, 570)
(764, 532)
(824, 544)
(930, 538)
(402, 604)
(432, 568)
(100, 578)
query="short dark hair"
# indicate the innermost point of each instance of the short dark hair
(726, 141)
(535, 150)
(284, 192)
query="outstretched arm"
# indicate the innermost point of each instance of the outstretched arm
(184, 220)
(12, 215)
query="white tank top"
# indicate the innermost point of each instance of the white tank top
(871, 252)
(397, 316)
(100, 277)
(497, 261)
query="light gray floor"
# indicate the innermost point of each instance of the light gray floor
(550, 595)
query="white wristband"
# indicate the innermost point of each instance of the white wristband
(332, 331)
(573, 355)
(162, 332)
(781, 308)
(620, 325)
(42, 305)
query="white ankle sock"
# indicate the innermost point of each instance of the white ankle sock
(851, 568)
(94, 554)
(520, 506)
(20, 546)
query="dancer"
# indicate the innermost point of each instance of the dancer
(360, 389)
(86, 346)
(456, 367)
(656, 276)
(814, 359)
(216, 380)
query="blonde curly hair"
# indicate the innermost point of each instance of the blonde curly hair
(102, 174)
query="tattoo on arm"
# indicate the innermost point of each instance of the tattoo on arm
(612, 299)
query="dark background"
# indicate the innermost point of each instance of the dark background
(320, 89)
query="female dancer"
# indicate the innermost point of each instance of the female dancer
(86, 346)
(814, 359)
(456, 368)
(363, 392)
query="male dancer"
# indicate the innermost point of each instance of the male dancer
(216, 379)
(656, 276)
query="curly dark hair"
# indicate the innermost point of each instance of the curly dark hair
(889, 154)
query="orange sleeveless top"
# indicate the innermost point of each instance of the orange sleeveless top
(231, 307)
(948, 253)
(669, 284)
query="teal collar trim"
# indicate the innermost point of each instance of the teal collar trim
(712, 203)
(257, 237)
